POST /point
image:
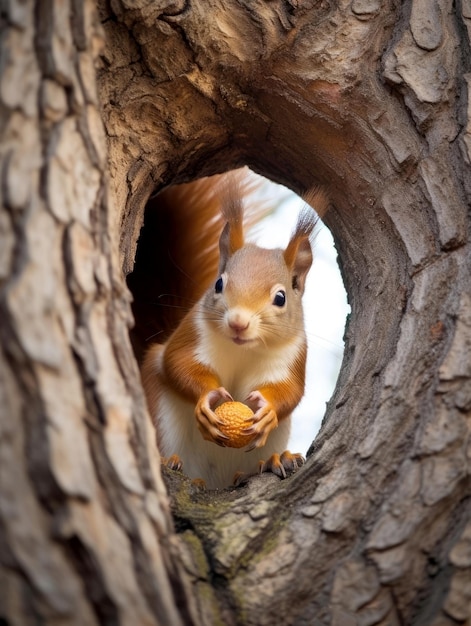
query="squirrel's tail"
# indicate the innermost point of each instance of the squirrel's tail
(177, 254)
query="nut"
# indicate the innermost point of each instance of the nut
(234, 416)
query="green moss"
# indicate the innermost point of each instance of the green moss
(223, 535)
(198, 569)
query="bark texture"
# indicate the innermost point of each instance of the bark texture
(368, 98)
(85, 530)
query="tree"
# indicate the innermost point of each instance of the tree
(368, 98)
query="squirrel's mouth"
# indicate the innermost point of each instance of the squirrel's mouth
(241, 342)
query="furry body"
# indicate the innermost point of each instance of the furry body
(243, 340)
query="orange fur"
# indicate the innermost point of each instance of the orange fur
(182, 372)
(178, 254)
(151, 380)
(286, 394)
(232, 238)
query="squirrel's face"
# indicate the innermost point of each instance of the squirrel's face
(255, 302)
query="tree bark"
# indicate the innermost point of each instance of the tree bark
(368, 98)
(86, 533)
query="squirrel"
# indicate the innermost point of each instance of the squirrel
(242, 339)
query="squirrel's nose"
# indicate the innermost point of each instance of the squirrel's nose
(238, 326)
(238, 322)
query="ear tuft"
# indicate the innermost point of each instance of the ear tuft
(318, 199)
(232, 236)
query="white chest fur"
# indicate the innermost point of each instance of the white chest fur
(243, 369)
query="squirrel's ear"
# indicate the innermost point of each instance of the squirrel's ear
(231, 240)
(301, 262)
(232, 236)
(298, 253)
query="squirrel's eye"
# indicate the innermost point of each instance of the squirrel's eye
(280, 298)
(218, 286)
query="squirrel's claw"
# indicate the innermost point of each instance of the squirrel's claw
(199, 484)
(207, 419)
(239, 478)
(215, 397)
(282, 464)
(173, 462)
(256, 401)
(264, 419)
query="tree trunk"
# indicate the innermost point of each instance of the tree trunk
(368, 98)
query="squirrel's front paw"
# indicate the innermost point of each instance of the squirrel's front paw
(207, 420)
(265, 419)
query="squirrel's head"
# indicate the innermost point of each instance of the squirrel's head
(256, 299)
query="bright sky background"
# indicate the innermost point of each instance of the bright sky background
(325, 311)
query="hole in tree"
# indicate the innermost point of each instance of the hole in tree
(161, 300)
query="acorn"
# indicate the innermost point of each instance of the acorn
(234, 417)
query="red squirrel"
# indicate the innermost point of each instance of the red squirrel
(244, 339)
